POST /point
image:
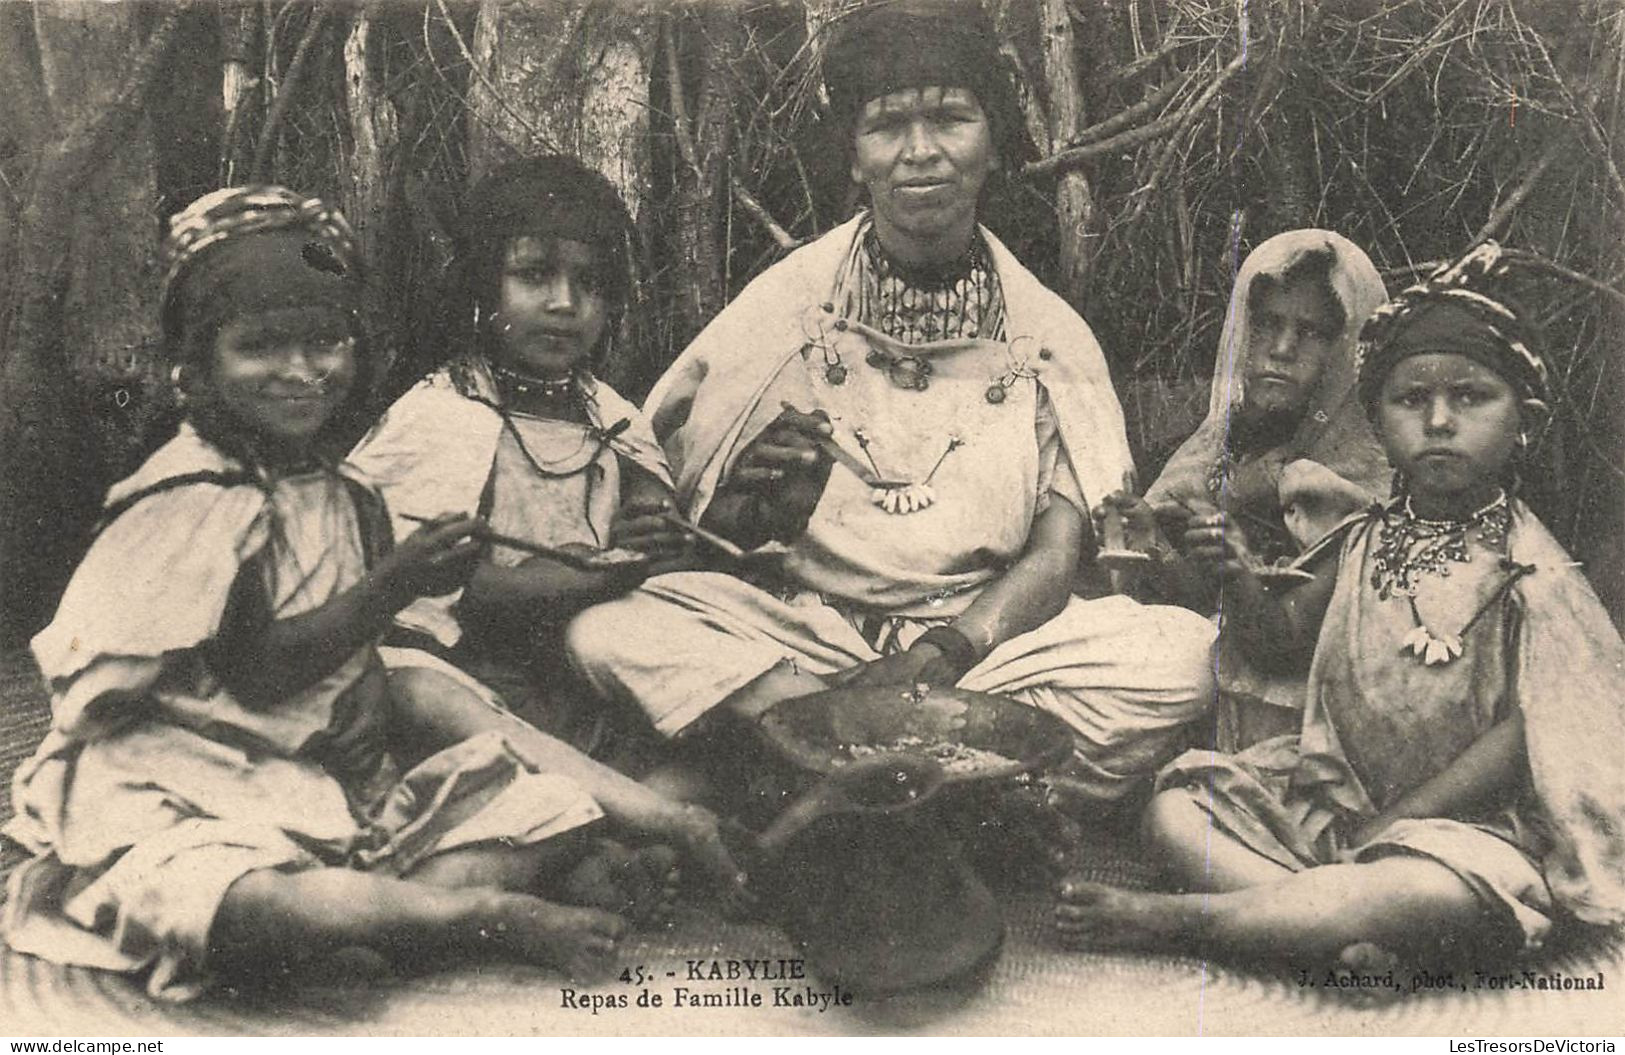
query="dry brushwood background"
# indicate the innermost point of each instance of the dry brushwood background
(1169, 137)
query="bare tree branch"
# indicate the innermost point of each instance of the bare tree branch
(279, 105)
(1131, 115)
(756, 211)
(690, 153)
(1525, 186)
(1071, 158)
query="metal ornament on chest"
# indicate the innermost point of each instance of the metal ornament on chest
(901, 499)
(908, 372)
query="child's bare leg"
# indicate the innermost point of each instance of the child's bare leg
(1197, 855)
(576, 868)
(1398, 903)
(270, 918)
(444, 712)
(779, 682)
(520, 869)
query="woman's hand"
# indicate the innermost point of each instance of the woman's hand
(923, 663)
(645, 525)
(786, 471)
(435, 559)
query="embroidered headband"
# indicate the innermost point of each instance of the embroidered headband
(1452, 311)
(265, 245)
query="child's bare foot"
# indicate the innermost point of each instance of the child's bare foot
(581, 942)
(1096, 916)
(1369, 961)
(1367, 957)
(640, 884)
(698, 834)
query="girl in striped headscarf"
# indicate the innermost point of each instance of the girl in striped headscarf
(224, 787)
(1455, 785)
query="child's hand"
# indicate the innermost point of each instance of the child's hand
(1141, 530)
(1214, 547)
(436, 559)
(645, 525)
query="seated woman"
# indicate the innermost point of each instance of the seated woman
(1286, 450)
(231, 783)
(515, 429)
(1455, 787)
(970, 418)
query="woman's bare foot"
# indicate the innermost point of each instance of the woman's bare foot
(581, 942)
(1367, 957)
(1096, 916)
(640, 884)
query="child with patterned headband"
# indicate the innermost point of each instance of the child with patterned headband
(224, 789)
(1455, 783)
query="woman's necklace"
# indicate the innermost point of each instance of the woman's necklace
(900, 499)
(1410, 546)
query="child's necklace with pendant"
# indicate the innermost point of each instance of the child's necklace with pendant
(1410, 547)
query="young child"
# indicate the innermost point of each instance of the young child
(1456, 782)
(1286, 450)
(515, 429)
(219, 792)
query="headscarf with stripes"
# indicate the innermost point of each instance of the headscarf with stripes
(245, 249)
(1456, 309)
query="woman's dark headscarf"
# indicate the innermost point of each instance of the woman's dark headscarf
(894, 45)
(544, 197)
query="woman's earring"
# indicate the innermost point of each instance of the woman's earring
(177, 384)
(1523, 441)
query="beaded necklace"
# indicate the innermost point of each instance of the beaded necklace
(917, 306)
(544, 387)
(1410, 546)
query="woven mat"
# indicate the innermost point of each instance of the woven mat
(1034, 988)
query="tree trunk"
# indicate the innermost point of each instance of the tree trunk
(1075, 213)
(239, 32)
(78, 340)
(370, 167)
(110, 312)
(704, 118)
(563, 76)
(567, 76)
(26, 127)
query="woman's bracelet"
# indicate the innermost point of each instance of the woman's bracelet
(953, 644)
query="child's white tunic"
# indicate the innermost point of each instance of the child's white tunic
(157, 789)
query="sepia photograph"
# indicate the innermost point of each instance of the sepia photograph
(812, 518)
